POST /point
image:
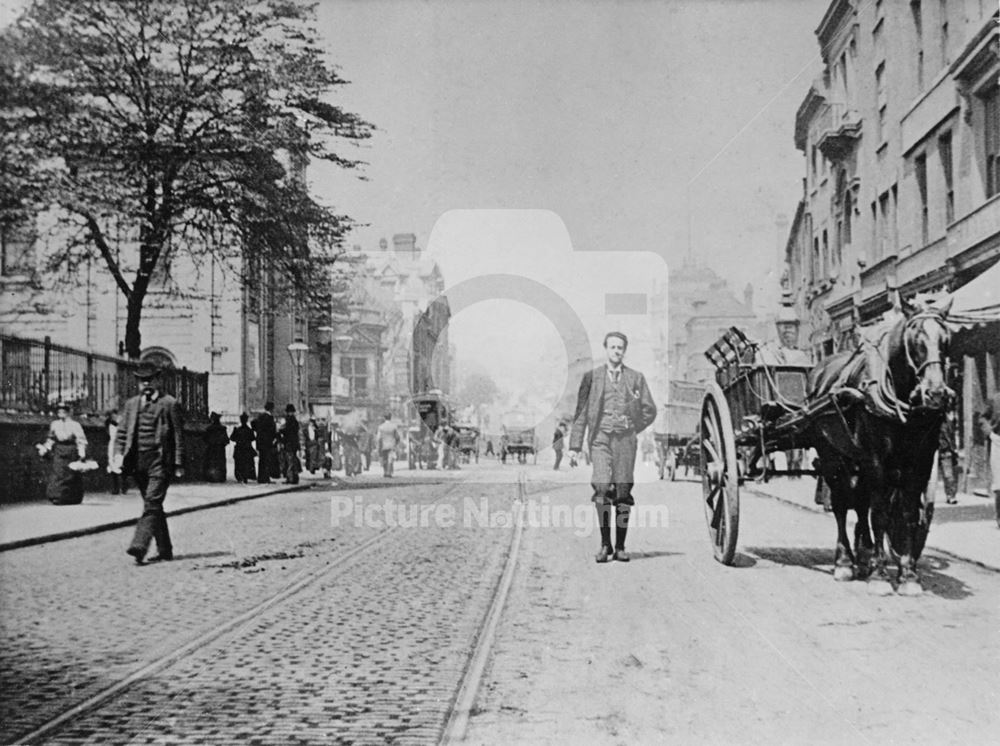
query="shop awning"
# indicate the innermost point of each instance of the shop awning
(978, 301)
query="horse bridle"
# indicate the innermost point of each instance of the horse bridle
(919, 369)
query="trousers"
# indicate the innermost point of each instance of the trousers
(613, 458)
(152, 477)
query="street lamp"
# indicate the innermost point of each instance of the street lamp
(297, 351)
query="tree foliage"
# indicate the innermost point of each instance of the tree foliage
(151, 128)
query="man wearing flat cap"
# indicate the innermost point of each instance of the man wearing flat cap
(151, 443)
(613, 406)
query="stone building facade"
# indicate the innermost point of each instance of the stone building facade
(901, 139)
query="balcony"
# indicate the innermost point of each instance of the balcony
(839, 129)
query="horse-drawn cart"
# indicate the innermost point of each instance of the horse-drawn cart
(872, 413)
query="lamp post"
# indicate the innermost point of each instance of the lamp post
(297, 351)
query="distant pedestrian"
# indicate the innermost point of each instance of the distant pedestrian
(151, 443)
(336, 459)
(67, 444)
(216, 439)
(613, 406)
(558, 440)
(365, 444)
(948, 456)
(352, 454)
(118, 482)
(288, 437)
(243, 453)
(489, 447)
(388, 439)
(266, 430)
(313, 446)
(991, 425)
(504, 447)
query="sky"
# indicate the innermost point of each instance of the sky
(662, 127)
(541, 133)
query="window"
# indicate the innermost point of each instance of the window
(920, 173)
(884, 222)
(918, 30)
(944, 33)
(816, 272)
(355, 370)
(944, 149)
(17, 249)
(991, 123)
(826, 256)
(880, 101)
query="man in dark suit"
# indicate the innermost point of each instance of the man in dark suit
(288, 436)
(150, 441)
(613, 406)
(267, 430)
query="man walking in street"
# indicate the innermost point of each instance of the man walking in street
(557, 443)
(388, 438)
(291, 467)
(266, 430)
(150, 441)
(613, 406)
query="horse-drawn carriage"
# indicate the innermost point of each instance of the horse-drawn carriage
(871, 413)
(518, 438)
(468, 441)
(675, 431)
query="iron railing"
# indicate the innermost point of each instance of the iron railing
(36, 375)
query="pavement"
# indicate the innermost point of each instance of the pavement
(30, 523)
(967, 530)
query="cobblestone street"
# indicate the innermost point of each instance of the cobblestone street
(370, 653)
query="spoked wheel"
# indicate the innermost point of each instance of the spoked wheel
(719, 474)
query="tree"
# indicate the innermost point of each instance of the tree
(478, 389)
(150, 128)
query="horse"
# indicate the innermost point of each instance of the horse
(876, 441)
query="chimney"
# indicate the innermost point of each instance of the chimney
(406, 243)
(748, 297)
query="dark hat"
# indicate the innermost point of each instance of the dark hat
(145, 371)
(290, 408)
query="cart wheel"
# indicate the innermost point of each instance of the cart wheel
(719, 475)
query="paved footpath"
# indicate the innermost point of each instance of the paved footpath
(25, 524)
(676, 648)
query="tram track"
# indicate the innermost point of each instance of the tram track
(452, 726)
(340, 565)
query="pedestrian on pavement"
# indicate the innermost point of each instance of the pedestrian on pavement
(388, 438)
(288, 436)
(504, 445)
(313, 450)
(613, 406)
(118, 482)
(336, 460)
(352, 454)
(243, 437)
(948, 455)
(216, 439)
(489, 447)
(266, 430)
(558, 439)
(67, 444)
(991, 424)
(365, 444)
(151, 444)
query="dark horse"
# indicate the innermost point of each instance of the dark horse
(876, 441)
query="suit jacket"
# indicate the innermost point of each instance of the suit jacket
(266, 429)
(169, 432)
(639, 404)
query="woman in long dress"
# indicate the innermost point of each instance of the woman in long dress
(66, 443)
(243, 454)
(216, 440)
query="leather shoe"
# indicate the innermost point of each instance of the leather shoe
(136, 554)
(621, 555)
(161, 558)
(604, 555)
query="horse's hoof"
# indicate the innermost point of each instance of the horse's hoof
(911, 588)
(862, 572)
(880, 588)
(843, 572)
